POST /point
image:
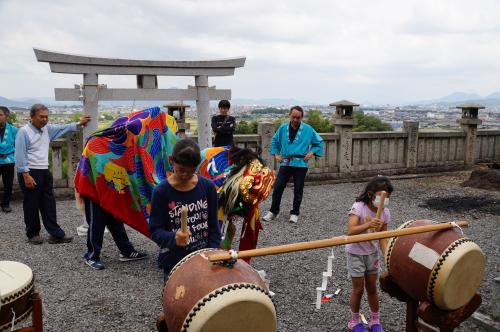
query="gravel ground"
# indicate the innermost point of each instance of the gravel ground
(127, 296)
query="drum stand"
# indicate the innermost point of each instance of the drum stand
(36, 315)
(424, 316)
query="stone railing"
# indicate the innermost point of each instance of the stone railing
(487, 146)
(66, 149)
(367, 153)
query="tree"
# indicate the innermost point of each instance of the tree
(278, 122)
(75, 117)
(270, 110)
(12, 118)
(315, 119)
(244, 127)
(320, 123)
(369, 123)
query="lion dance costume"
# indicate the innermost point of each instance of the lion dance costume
(120, 166)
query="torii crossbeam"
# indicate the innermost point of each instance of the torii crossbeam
(146, 71)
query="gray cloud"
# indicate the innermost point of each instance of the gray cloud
(385, 50)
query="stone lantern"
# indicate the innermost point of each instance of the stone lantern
(469, 123)
(470, 112)
(344, 109)
(178, 111)
(344, 121)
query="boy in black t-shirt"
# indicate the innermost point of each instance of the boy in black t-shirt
(223, 125)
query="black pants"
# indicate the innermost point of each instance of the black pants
(7, 174)
(40, 200)
(284, 174)
(98, 219)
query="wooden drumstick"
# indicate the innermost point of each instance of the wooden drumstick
(335, 241)
(380, 208)
(184, 214)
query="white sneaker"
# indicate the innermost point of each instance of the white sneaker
(269, 216)
(82, 230)
(294, 218)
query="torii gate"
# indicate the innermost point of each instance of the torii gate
(146, 71)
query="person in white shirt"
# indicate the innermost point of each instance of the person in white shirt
(35, 180)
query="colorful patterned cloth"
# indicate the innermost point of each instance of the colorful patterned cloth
(215, 164)
(120, 165)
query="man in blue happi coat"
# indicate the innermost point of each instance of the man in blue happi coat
(294, 143)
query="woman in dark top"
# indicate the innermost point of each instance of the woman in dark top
(198, 195)
(223, 125)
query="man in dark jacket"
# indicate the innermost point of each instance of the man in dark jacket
(223, 125)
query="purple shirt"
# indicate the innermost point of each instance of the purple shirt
(362, 210)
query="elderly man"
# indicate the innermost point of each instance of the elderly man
(35, 180)
(294, 143)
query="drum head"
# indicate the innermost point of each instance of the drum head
(14, 277)
(457, 275)
(16, 288)
(238, 307)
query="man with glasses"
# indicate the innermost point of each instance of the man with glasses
(294, 143)
(32, 163)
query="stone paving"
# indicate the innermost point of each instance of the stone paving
(127, 296)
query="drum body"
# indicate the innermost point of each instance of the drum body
(202, 296)
(16, 290)
(441, 267)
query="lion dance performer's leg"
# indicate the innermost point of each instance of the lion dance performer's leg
(228, 230)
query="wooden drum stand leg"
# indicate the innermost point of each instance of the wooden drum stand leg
(446, 321)
(36, 316)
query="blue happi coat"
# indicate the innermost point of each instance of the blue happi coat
(307, 139)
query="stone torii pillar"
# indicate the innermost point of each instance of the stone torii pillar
(146, 71)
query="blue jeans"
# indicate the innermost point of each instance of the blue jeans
(98, 219)
(284, 174)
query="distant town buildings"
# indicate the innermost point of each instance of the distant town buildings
(434, 116)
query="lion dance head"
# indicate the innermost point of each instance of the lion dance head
(248, 182)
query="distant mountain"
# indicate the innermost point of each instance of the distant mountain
(270, 102)
(494, 95)
(11, 103)
(458, 98)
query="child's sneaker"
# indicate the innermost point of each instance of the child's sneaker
(133, 256)
(95, 264)
(294, 218)
(356, 326)
(376, 328)
(269, 216)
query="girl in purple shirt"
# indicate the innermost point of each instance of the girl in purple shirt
(363, 257)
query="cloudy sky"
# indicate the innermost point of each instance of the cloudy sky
(316, 50)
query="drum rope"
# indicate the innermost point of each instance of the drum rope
(233, 253)
(13, 319)
(454, 224)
